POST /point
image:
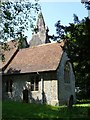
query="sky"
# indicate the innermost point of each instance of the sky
(63, 11)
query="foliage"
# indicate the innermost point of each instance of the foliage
(16, 110)
(87, 4)
(77, 37)
(16, 17)
(83, 101)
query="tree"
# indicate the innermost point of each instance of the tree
(77, 36)
(87, 4)
(16, 17)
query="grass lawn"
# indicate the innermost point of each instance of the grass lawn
(0, 110)
(27, 111)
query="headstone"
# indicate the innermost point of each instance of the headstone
(70, 102)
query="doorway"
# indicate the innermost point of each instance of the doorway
(25, 96)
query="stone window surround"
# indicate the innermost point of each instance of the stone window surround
(67, 72)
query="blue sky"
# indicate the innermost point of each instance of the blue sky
(63, 11)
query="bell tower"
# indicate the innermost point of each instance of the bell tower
(40, 35)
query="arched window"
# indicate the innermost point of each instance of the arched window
(67, 72)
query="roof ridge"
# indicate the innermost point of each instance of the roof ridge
(38, 46)
(42, 45)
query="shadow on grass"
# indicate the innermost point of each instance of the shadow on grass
(26, 111)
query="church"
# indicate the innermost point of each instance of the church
(41, 72)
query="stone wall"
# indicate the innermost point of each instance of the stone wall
(48, 91)
(19, 84)
(65, 89)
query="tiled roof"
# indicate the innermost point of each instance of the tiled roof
(45, 57)
(12, 44)
(8, 55)
(11, 49)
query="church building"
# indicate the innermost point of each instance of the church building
(40, 73)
